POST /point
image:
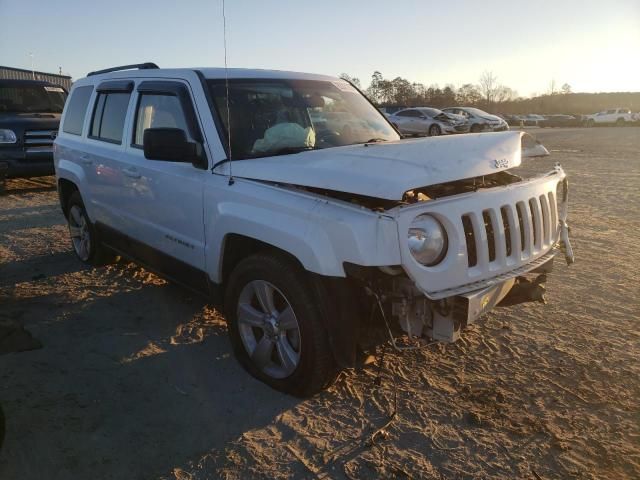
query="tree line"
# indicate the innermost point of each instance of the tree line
(490, 95)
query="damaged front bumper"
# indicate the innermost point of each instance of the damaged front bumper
(443, 320)
(527, 224)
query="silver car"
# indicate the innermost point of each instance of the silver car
(480, 120)
(428, 121)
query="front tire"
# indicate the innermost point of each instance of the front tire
(84, 237)
(434, 130)
(476, 128)
(620, 122)
(276, 325)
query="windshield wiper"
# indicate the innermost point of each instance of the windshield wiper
(376, 140)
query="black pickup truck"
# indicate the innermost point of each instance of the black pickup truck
(29, 117)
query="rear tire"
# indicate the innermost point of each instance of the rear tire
(84, 238)
(620, 122)
(287, 347)
(476, 128)
(434, 130)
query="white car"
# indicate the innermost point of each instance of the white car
(617, 116)
(428, 121)
(290, 200)
(479, 120)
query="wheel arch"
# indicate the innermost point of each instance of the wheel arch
(335, 295)
(65, 189)
(236, 247)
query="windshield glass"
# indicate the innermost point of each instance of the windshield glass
(277, 117)
(477, 111)
(31, 98)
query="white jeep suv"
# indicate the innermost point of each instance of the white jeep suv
(290, 199)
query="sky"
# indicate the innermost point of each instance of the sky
(591, 45)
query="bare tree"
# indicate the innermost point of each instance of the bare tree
(469, 95)
(565, 89)
(553, 89)
(503, 94)
(488, 87)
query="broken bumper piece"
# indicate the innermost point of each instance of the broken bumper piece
(446, 318)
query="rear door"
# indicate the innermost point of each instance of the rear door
(163, 200)
(105, 150)
(405, 119)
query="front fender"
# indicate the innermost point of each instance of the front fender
(320, 233)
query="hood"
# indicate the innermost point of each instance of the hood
(387, 170)
(496, 118)
(28, 120)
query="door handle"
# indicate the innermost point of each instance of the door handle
(85, 159)
(131, 172)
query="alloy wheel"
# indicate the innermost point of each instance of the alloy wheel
(269, 329)
(79, 231)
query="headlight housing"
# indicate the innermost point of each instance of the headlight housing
(427, 240)
(7, 136)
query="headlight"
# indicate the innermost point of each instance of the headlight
(7, 136)
(427, 240)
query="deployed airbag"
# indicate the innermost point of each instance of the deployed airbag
(285, 135)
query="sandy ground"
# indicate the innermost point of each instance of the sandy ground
(136, 378)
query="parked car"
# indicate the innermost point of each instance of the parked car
(29, 118)
(479, 120)
(513, 120)
(311, 238)
(613, 116)
(428, 121)
(391, 109)
(560, 120)
(532, 119)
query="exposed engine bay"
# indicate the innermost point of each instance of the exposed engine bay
(422, 194)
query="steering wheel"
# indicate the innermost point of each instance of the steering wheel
(328, 136)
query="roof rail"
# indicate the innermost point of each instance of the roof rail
(140, 66)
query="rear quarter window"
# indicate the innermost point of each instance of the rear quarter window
(76, 110)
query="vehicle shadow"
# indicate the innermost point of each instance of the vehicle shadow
(39, 268)
(129, 382)
(20, 186)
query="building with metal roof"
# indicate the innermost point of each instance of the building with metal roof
(10, 73)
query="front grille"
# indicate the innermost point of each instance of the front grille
(511, 233)
(39, 140)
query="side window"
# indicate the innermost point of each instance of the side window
(158, 111)
(76, 110)
(609, 112)
(108, 116)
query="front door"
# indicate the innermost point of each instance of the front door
(164, 199)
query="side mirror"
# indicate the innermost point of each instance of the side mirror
(170, 145)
